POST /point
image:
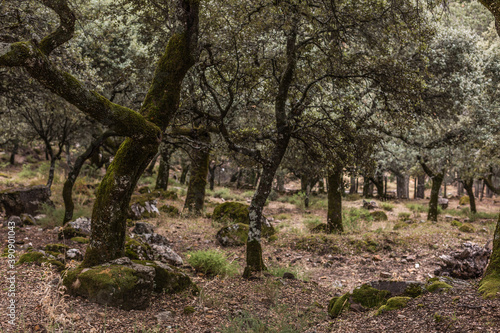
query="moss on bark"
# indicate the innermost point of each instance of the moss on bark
(489, 286)
(254, 260)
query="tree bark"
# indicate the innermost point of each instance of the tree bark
(195, 196)
(164, 168)
(367, 187)
(352, 189)
(14, 151)
(150, 168)
(469, 185)
(421, 187)
(184, 171)
(437, 180)
(334, 215)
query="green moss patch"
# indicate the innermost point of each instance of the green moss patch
(170, 210)
(369, 297)
(188, 310)
(465, 200)
(438, 286)
(68, 232)
(234, 235)
(81, 240)
(338, 304)
(137, 250)
(234, 212)
(467, 227)
(393, 303)
(489, 286)
(39, 258)
(379, 215)
(456, 223)
(58, 248)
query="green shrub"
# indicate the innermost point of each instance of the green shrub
(312, 222)
(416, 208)
(249, 194)
(403, 216)
(212, 263)
(387, 206)
(465, 200)
(26, 172)
(379, 215)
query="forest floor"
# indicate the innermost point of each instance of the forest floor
(325, 266)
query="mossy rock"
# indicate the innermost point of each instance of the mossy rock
(143, 206)
(58, 248)
(400, 225)
(233, 235)
(435, 286)
(379, 215)
(467, 227)
(456, 223)
(338, 304)
(68, 232)
(137, 250)
(81, 240)
(368, 296)
(393, 303)
(124, 286)
(231, 212)
(39, 258)
(27, 219)
(168, 279)
(165, 194)
(144, 190)
(465, 200)
(170, 210)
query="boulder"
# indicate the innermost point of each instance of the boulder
(126, 284)
(464, 200)
(231, 212)
(28, 219)
(443, 202)
(379, 215)
(77, 228)
(369, 205)
(14, 219)
(166, 254)
(467, 263)
(234, 235)
(74, 254)
(39, 257)
(29, 200)
(144, 207)
(151, 247)
(143, 228)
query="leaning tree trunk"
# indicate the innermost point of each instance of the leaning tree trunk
(195, 196)
(334, 216)
(150, 168)
(67, 192)
(184, 171)
(468, 186)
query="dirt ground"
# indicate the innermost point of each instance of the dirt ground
(325, 266)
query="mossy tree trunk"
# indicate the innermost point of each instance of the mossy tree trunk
(185, 166)
(437, 180)
(143, 129)
(367, 187)
(166, 151)
(150, 168)
(211, 171)
(468, 186)
(334, 215)
(200, 159)
(67, 192)
(14, 151)
(378, 181)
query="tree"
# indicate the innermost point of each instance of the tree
(143, 129)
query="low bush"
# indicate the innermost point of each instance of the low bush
(212, 263)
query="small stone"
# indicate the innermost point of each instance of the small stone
(74, 254)
(376, 258)
(163, 316)
(385, 275)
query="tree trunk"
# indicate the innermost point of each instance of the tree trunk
(421, 187)
(185, 169)
(164, 168)
(334, 216)
(211, 172)
(13, 153)
(280, 181)
(67, 192)
(195, 196)
(437, 180)
(481, 195)
(367, 187)
(460, 189)
(490, 283)
(352, 189)
(401, 188)
(468, 185)
(378, 181)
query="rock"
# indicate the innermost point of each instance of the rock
(39, 258)
(77, 228)
(58, 248)
(166, 254)
(154, 238)
(135, 249)
(231, 212)
(393, 303)
(448, 218)
(443, 202)
(143, 228)
(169, 279)
(288, 275)
(27, 200)
(16, 219)
(74, 254)
(234, 235)
(467, 263)
(385, 275)
(436, 286)
(467, 227)
(120, 283)
(399, 288)
(369, 205)
(170, 210)
(144, 207)
(28, 219)
(464, 200)
(379, 215)
(163, 316)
